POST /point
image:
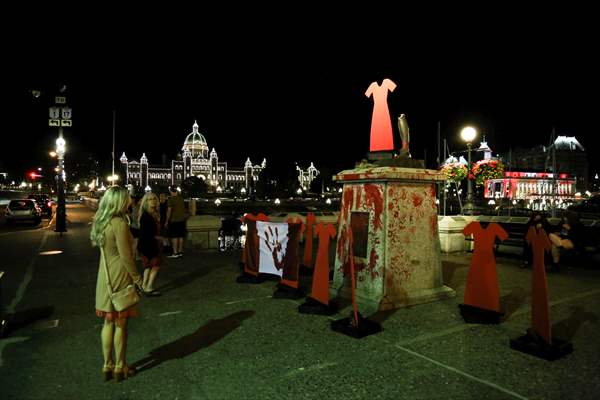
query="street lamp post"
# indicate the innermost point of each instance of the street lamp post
(61, 214)
(468, 134)
(60, 116)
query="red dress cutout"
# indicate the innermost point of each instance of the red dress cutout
(320, 284)
(540, 310)
(251, 252)
(482, 282)
(308, 240)
(381, 124)
(291, 260)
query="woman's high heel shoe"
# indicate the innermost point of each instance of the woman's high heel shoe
(123, 373)
(107, 372)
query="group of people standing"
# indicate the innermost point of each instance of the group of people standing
(122, 228)
(157, 224)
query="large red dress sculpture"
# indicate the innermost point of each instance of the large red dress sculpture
(482, 282)
(538, 340)
(382, 138)
(540, 310)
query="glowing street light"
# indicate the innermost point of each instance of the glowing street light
(468, 134)
(277, 201)
(112, 179)
(61, 209)
(217, 202)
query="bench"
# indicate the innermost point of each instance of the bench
(516, 227)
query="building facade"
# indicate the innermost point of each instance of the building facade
(305, 177)
(196, 161)
(566, 155)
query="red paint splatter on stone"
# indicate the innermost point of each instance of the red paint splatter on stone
(347, 201)
(373, 263)
(434, 225)
(374, 200)
(342, 246)
(417, 200)
(357, 203)
(351, 177)
(359, 266)
(389, 282)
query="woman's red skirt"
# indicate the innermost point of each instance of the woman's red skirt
(112, 315)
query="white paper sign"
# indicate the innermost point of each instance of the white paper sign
(273, 242)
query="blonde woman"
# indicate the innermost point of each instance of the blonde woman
(149, 241)
(110, 232)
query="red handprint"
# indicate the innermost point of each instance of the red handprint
(274, 246)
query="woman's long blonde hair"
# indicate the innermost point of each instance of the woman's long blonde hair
(146, 207)
(113, 204)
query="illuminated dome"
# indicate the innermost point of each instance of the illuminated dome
(567, 143)
(195, 144)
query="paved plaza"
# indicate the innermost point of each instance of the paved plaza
(208, 337)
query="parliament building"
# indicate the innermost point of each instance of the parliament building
(195, 161)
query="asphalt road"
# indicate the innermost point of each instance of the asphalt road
(208, 337)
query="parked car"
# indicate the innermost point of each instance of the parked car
(587, 209)
(23, 210)
(44, 201)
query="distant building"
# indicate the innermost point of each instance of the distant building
(483, 147)
(569, 155)
(538, 189)
(305, 177)
(195, 160)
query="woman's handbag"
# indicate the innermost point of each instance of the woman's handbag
(124, 298)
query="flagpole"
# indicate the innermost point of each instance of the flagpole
(113, 143)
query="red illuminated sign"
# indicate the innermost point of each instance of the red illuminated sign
(533, 175)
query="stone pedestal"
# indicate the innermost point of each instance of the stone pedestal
(451, 233)
(203, 231)
(393, 217)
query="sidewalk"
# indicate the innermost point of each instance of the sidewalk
(209, 337)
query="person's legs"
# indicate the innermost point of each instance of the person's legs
(174, 246)
(146, 278)
(107, 335)
(555, 254)
(179, 245)
(567, 244)
(121, 369)
(149, 287)
(555, 239)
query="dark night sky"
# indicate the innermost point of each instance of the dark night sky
(294, 91)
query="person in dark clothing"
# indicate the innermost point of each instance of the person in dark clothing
(148, 243)
(538, 220)
(568, 237)
(163, 206)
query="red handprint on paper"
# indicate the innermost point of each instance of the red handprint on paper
(274, 246)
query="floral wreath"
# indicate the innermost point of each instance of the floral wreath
(486, 169)
(454, 171)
